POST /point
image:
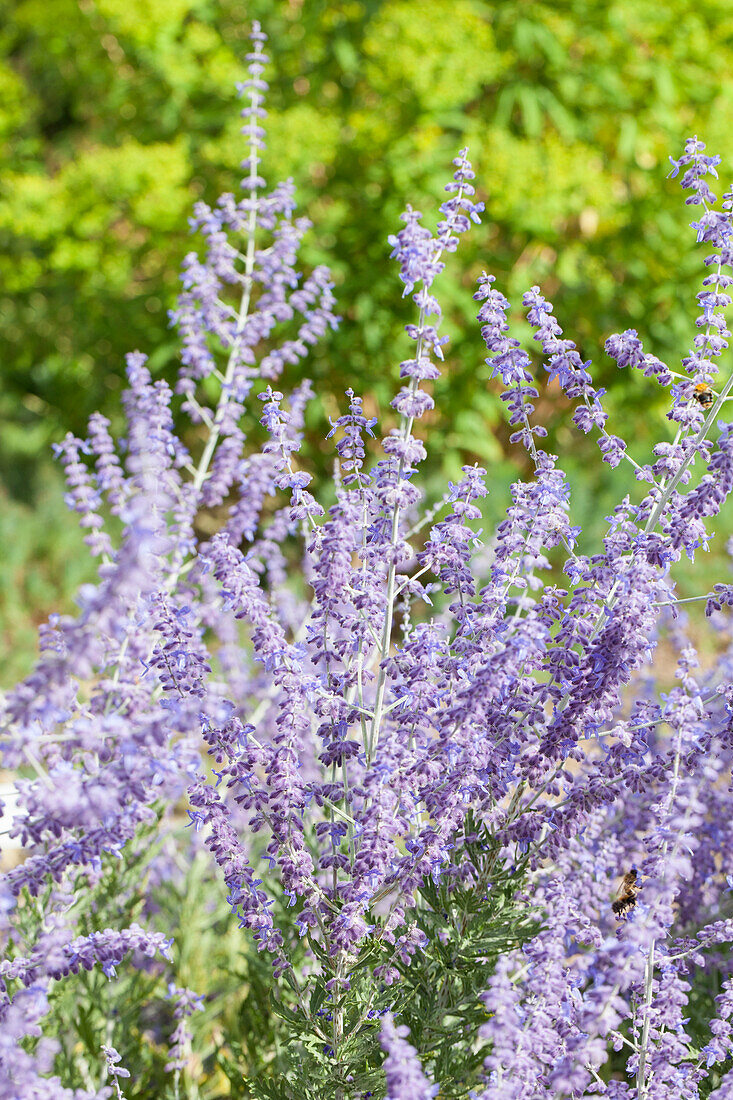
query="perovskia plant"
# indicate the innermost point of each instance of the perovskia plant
(414, 756)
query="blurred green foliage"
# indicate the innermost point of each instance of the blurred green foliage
(116, 115)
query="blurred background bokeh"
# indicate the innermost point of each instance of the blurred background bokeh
(116, 115)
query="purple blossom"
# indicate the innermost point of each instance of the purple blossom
(185, 1003)
(367, 704)
(112, 1059)
(25, 1074)
(405, 1078)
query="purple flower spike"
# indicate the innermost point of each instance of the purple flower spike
(437, 763)
(405, 1078)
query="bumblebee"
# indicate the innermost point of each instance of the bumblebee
(626, 895)
(703, 394)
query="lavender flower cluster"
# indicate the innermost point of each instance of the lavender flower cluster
(408, 746)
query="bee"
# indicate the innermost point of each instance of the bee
(703, 394)
(626, 895)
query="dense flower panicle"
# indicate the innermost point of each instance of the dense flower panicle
(418, 252)
(714, 227)
(626, 348)
(447, 552)
(530, 1050)
(31, 1074)
(419, 255)
(54, 957)
(83, 497)
(383, 719)
(414, 249)
(508, 361)
(256, 473)
(177, 656)
(249, 903)
(350, 446)
(405, 1078)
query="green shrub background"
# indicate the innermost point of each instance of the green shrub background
(116, 115)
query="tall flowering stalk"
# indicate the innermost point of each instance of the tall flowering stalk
(417, 755)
